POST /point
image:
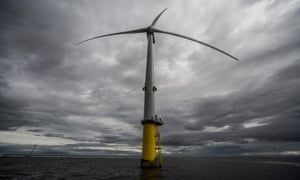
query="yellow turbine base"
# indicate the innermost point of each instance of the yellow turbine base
(149, 152)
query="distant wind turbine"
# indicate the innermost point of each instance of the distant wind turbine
(32, 150)
(151, 135)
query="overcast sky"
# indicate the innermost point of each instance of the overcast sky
(88, 99)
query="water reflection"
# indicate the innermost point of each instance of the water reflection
(152, 174)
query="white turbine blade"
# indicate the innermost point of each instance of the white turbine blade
(195, 40)
(157, 17)
(112, 34)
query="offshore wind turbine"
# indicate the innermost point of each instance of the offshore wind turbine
(151, 137)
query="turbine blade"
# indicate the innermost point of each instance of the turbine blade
(112, 34)
(195, 40)
(157, 17)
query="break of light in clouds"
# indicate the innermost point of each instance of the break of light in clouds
(88, 99)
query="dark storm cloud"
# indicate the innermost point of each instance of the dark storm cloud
(276, 103)
(35, 53)
(277, 97)
(31, 47)
(8, 107)
(92, 92)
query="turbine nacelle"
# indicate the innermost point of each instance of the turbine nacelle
(150, 30)
(150, 33)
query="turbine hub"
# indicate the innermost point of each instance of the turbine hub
(150, 30)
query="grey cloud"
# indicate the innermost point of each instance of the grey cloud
(11, 109)
(92, 92)
(276, 99)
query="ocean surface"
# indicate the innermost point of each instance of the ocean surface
(236, 168)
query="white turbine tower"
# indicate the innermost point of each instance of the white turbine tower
(151, 120)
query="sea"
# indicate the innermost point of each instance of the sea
(185, 168)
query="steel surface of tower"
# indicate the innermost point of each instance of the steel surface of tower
(151, 136)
